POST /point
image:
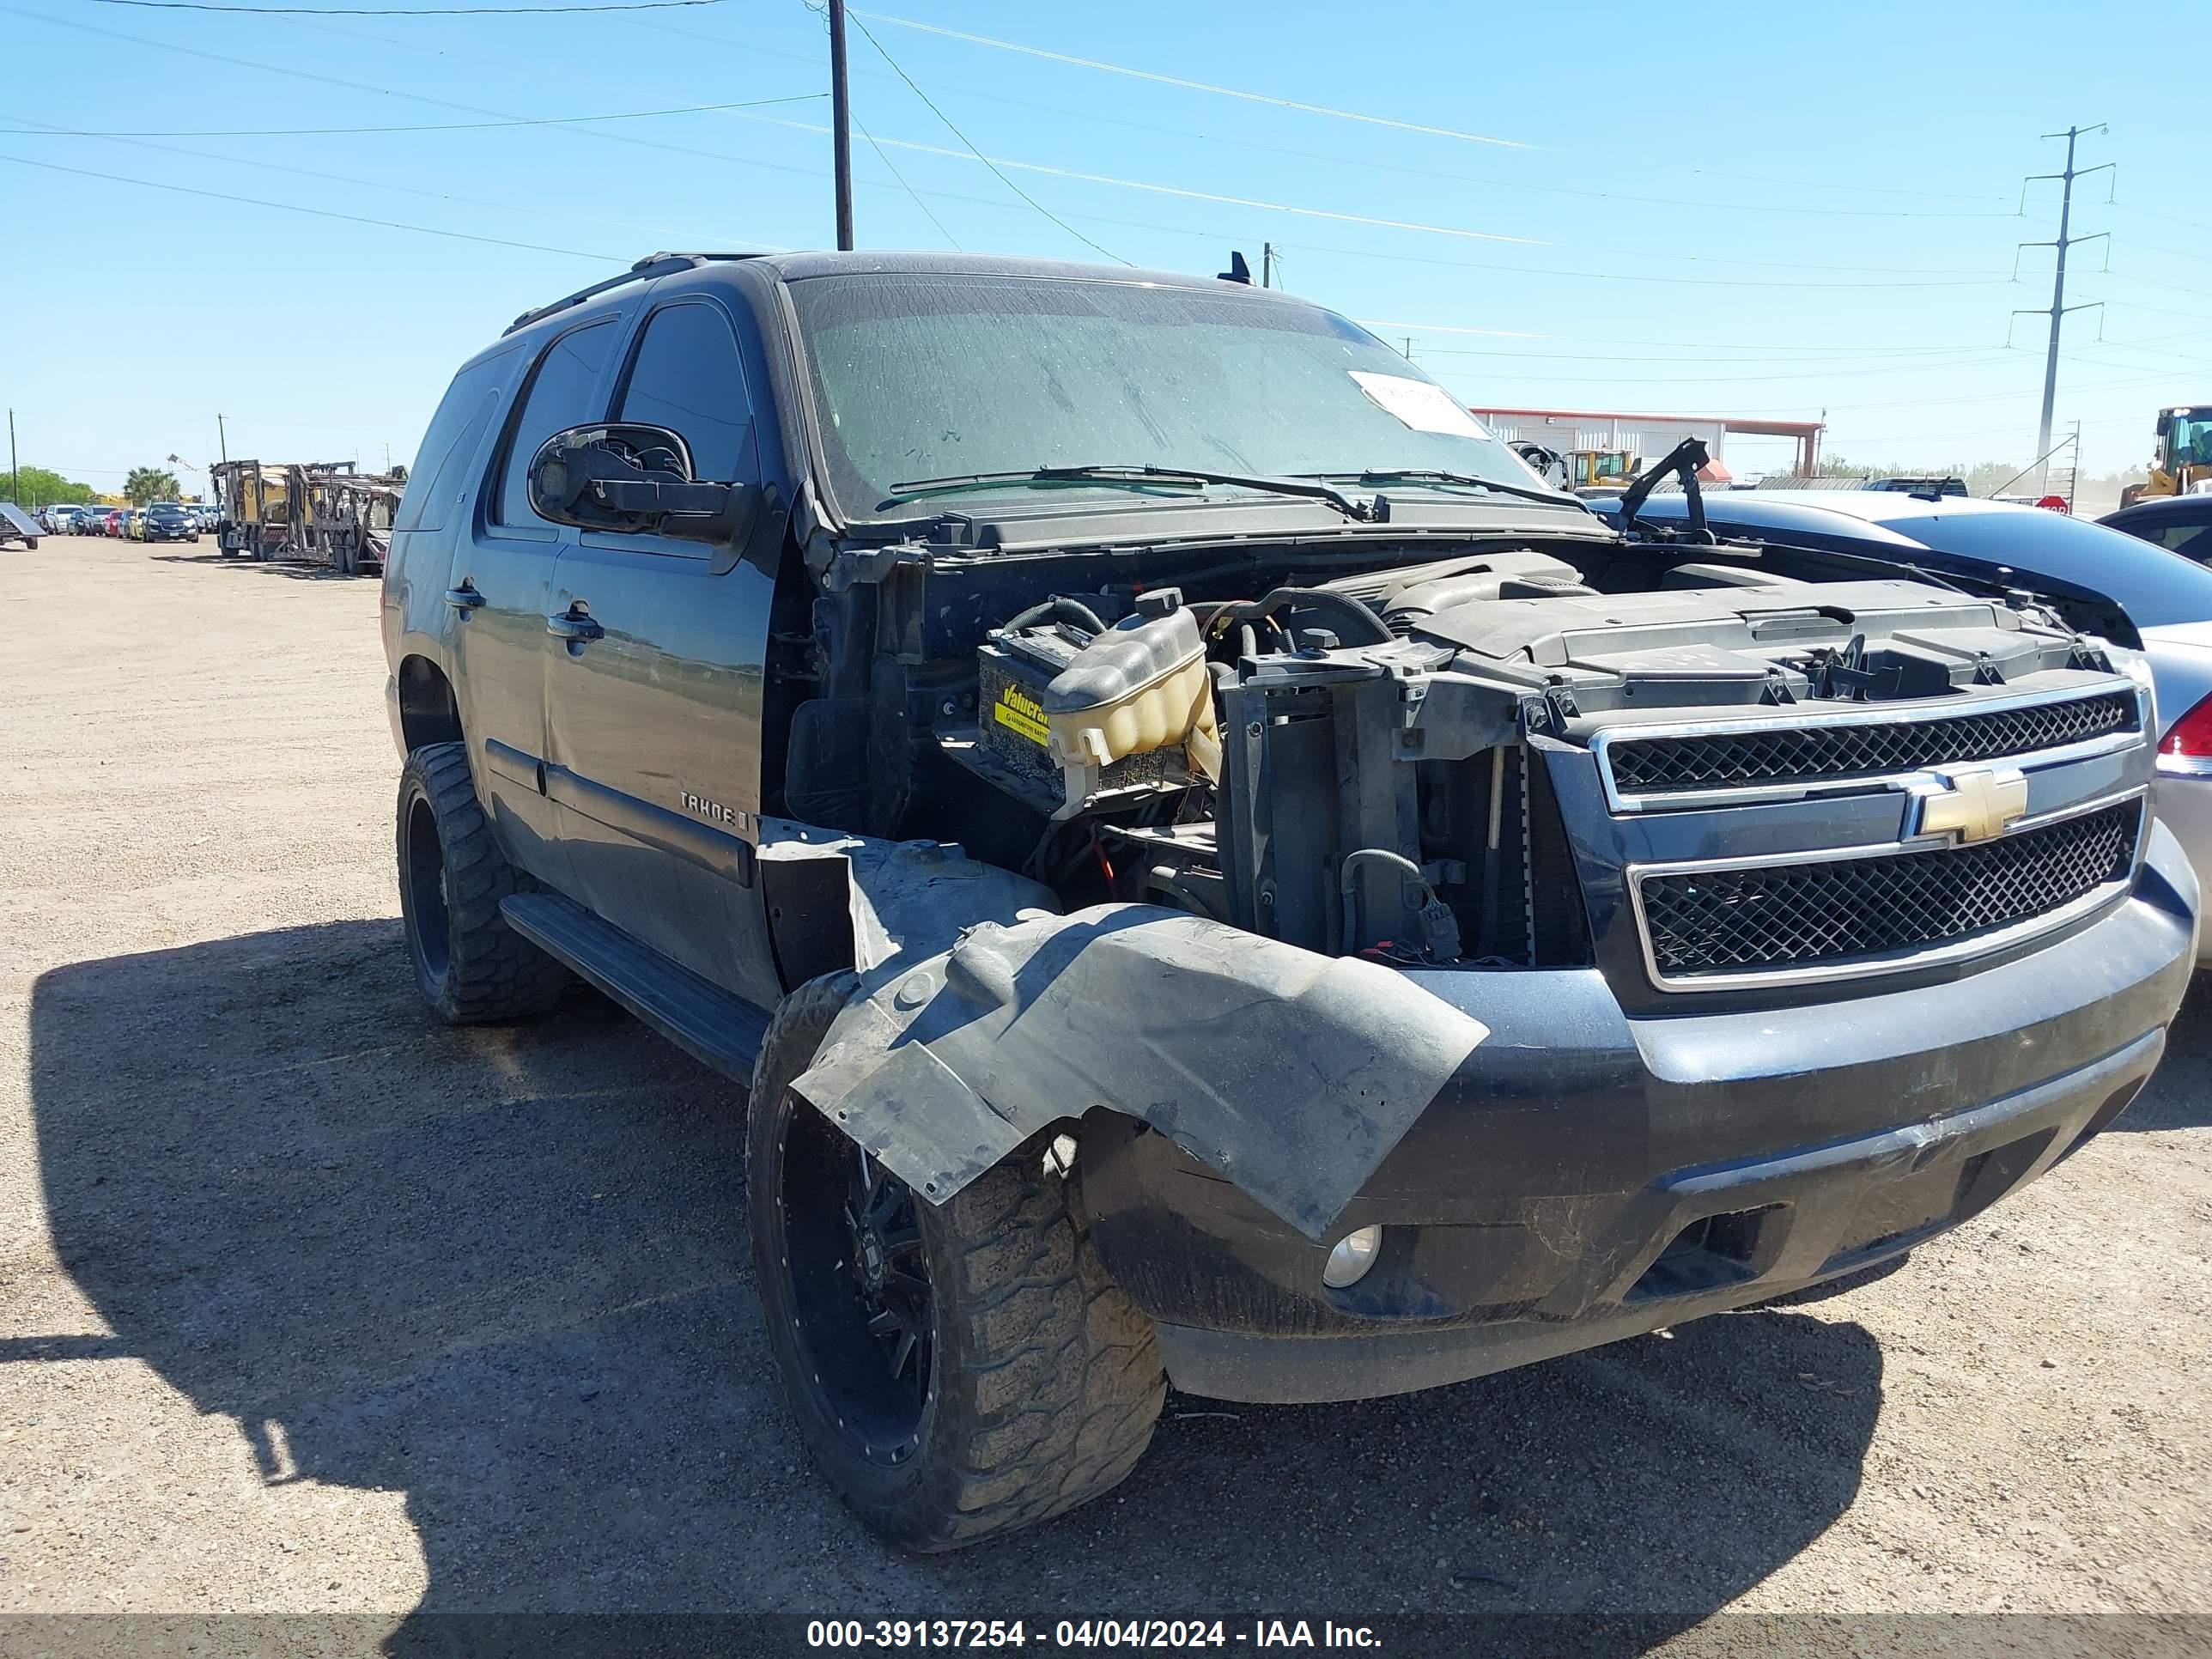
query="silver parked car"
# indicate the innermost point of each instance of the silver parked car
(2132, 592)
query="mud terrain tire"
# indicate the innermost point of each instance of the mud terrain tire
(1046, 1380)
(470, 966)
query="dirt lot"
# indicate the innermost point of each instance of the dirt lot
(307, 1304)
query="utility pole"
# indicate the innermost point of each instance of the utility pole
(1267, 265)
(221, 441)
(2058, 306)
(15, 474)
(840, 124)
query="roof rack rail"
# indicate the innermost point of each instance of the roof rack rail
(645, 270)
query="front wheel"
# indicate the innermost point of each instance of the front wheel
(957, 1370)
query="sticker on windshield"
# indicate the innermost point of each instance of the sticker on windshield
(1421, 405)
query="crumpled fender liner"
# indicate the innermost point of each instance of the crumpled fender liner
(1290, 1073)
(839, 901)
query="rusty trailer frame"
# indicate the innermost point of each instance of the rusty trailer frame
(323, 513)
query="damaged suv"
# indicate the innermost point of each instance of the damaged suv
(1210, 872)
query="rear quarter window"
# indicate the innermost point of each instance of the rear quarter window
(2182, 530)
(441, 460)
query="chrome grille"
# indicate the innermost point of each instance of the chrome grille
(1830, 911)
(1785, 755)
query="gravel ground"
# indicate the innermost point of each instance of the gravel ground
(308, 1305)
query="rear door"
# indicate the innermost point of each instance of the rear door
(503, 573)
(654, 719)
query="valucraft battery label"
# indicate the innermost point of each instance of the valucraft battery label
(1017, 711)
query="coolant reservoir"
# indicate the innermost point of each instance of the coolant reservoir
(1140, 686)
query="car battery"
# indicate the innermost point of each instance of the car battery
(1013, 670)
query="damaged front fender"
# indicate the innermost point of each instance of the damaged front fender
(1290, 1073)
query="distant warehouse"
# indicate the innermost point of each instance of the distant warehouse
(1595, 448)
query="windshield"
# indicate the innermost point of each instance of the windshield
(2189, 439)
(920, 377)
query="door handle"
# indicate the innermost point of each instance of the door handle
(464, 599)
(573, 625)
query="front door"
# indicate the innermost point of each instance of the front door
(653, 704)
(501, 577)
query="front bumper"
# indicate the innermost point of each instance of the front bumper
(1586, 1175)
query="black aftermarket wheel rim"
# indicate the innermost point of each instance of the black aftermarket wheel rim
(861, 1303)
(426, 886)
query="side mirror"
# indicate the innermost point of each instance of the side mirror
(636, 480)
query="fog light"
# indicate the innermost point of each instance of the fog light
(1354, 1254)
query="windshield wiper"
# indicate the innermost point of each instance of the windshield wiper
(1434, 475)
(1107, 472)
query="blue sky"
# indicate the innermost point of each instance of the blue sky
(1774, 210)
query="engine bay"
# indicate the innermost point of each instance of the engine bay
(1352, 753)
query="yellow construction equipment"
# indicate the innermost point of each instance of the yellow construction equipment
(2182, 459)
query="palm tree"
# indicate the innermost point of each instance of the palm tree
(150, 483)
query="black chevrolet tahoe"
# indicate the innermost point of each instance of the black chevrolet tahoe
(1208, 871)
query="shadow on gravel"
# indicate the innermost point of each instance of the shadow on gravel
(2180, 1093)
(298, 572)
(502, 1272)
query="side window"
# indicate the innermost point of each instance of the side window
(2191, 540)
(686, 377)
(559, 396)
(455, 431)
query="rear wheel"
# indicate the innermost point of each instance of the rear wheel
(957, 1370)
(469, 964)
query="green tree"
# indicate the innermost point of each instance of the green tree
(150, 483)
(41, 486)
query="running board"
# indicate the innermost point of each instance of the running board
(705, 1021)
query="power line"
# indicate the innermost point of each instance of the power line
(319, 213)
(1994, 279)
(1488, 181)
(998, 162)
(1980, 398)
(1628, 275)
(1193, 85)
(2156, 311)
(1452, 174)
(930, 104)
(1950, 277)
(908, 188)
(1959, 279)
(508, 207)
(405, 11)
(295, 74)
(2157, 213)
(1377, 120)
(2151, 282)
(1828, 354)
(273, 166)
(1987, 359)
(433, 126)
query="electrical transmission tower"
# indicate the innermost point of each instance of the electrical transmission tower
(2058, 306)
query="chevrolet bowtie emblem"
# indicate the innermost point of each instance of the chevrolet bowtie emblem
(1976, 806)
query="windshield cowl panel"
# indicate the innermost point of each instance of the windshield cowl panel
(996, 524)
(929, 375)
